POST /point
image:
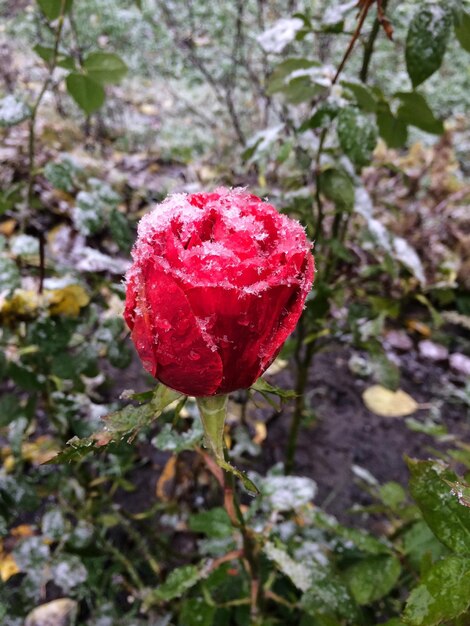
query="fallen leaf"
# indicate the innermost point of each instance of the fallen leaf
(26, 302)
(419, 327)
(61, 612)
(7, 227)
(23, 530)
(261, 433)
(432, 351)
(386, 403)
(166, 481)
(8, 567)
(40, 450)
(460, 363)
(68, 300)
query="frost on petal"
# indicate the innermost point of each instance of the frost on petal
(246, 328)
(138, 318)
(225, 279)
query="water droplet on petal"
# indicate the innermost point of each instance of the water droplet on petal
(194, 356)
(164, 324)
(243, 320)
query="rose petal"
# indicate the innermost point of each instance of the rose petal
(139, 321)
(185, 360)
(242, 327)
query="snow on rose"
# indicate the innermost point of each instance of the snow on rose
(218, 283)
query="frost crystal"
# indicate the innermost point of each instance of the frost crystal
(282, 33)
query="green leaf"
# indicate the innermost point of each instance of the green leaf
(120, 230)
(357, 135)
(178, 582)
(419, 541)
(328, 595)
(170, 440)
(443, 594)
(247, 483)
(12, 111)
(372, 578)
(214, 523)
(392, 495)
(119, 354)
(336, 185)
(10, 274)
(426, 41)
(120, 425)
(363, 95)
(299, 573)
(10, 409)
(61, 175)
(52, 8)
(278, 79)
(264, 387)
(196, 612)
(415, 111)
(393, 130)
(105, 67)
(323, 116)
(462, 30)
(87, 93)
(47, 54)
(446, 517)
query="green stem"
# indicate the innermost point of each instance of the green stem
(213, 411)
(299, 408)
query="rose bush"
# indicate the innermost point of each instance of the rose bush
(218, 282)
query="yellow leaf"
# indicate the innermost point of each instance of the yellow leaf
(261, 432)
(8, 567)
(68, 300)
(7, 227)
(165, 483)
(23, 530)
(40, 450)
(23, 303)
(386, 403)
(419, 327)
(9, 463)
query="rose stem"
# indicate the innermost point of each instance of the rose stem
(213, 411)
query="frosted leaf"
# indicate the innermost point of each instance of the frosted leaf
(13, 111)
(285, 493)
(281, 33)
(92, 260)
(24, 245)
(299, 573)
(460, 363)
(261, 142)
(335, 14)
(363, 474)
(397, 247)
(87, 215)
(432, 351)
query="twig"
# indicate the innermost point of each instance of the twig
(362, 16)
(35, 107)
(369, 47)
(32, 140)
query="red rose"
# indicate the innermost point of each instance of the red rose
(218, 283)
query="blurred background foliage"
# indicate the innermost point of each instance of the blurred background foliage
(357, 125)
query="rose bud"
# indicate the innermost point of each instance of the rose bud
(218, 283)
